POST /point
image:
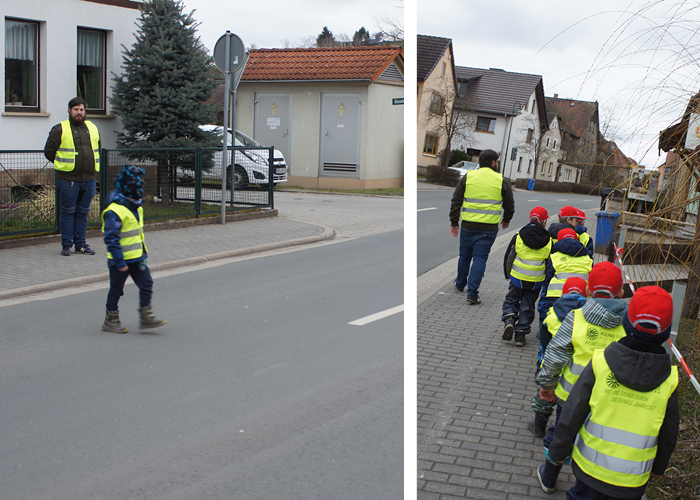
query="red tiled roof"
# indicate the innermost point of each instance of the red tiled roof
(321, 64)
(575, 115)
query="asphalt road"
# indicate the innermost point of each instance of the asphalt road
(436, 245)
(257, 388)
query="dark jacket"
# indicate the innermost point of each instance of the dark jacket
(458, 200)
(85, 159)
(639, 365)
(558, 226)
(569, 246)
(112, 227)
(533, 236)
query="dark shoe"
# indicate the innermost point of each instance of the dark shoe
(148, 319)
(547, 473)
(473, 300)
(86, 250)
(538, 425)
(508, 330)
(519, 340)
(65, 251)
(458, 289)
(112, 323)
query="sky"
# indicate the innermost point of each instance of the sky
(614, 52)
(278, 23)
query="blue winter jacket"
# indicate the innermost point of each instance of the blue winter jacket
(112, 227)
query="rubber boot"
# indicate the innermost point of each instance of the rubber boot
(112, 323)
(547, 473)
(538, 425)
(148, 319)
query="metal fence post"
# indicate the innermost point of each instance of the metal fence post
(198, 182)
(678, 295)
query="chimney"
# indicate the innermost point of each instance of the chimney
(556, 96)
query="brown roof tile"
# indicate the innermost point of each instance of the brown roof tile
(429, 50)
(575, 115)
(497, 91)
(320, 64)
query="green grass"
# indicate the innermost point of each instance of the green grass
(374, 192)
(682, 478)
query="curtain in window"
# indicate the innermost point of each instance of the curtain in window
(90, 48)
(20, 40)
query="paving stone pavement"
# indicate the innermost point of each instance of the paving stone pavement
(304, 217)
(474, 394)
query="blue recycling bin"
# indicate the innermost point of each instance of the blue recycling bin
(604, 230)
(530, 184)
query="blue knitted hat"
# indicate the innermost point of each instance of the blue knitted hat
(129, 182)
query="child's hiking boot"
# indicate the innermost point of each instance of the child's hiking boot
(538, 425)
(509, 328)
(547, 473)
(519, 340)
(112, 323)
(148, 319)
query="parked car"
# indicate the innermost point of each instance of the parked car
(251, 167)
(462, 167)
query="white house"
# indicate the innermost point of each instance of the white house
(335, 113)
(506, 113)
(55, 50)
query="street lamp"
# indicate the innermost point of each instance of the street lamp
(517, 108)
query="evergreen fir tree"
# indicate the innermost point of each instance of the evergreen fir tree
(361, 37)
(326, 38)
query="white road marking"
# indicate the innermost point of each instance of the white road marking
(377, 316)
(424, 209)
(532, 200)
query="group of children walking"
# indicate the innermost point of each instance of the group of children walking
(601, 363)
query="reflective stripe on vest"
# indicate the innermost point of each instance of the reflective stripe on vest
(585, 338)
(66, 153)
(529, 263)
(485, 201)
(617, 444)
(565, 267)
(131, 236)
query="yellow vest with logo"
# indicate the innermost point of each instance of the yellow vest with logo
(565, 267)
(530, 263)
(618, 442)
(586, 338)
(482, 197)
(66, 153)
(131, 236)
(584, 238)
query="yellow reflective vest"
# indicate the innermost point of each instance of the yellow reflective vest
(530, 263)
(565, 267)
(617, 443)
(66, 153)
(131, 236)
(586, 338)
(482, 196)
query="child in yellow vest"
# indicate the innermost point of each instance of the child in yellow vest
(621, 417)
(122, 225)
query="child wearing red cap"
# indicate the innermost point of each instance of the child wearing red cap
(597, 324)
(572, 217)
(525, 265)
(621, 417)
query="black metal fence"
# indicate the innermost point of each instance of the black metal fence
(179, 183)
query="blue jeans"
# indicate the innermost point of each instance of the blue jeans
(476, 245)
(520, 305)
(76, 198)
(141, 275)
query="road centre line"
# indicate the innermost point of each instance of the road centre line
(424, 209)
(377, 316)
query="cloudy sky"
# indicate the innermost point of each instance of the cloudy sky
(276, 23)
(614, 52)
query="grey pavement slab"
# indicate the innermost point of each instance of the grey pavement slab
(304, 217)
(474, 393)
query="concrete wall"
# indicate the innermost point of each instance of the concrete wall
(58, 24)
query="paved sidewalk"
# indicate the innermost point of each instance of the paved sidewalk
(303, 218)
(474, 393)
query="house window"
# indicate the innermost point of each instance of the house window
(444, 67)
(533, 106)
(567, 175)
(91, 69)
(549, 170)
(529, 166)
(546, 146)
(437, 105)
(529, 136)
(542, 169)
(484, 124)
(554, 147)
(21, 65)
(520, 164)
(431, 144)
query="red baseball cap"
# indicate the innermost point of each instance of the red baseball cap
(566, 233)
(539, 213)
(580, 214)
(574, 284)
(605, 279)
(567, 212)
(650, 314)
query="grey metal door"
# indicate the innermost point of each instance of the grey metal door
(340, 134)
(273, 122)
